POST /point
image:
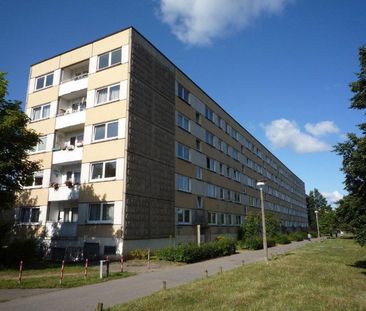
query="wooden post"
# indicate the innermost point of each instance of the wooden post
(148, 259)
(86, 269)
(20, 271)
(121, 263)
(100, 306)
(62, 271)
(164, 285)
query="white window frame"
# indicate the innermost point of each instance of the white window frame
(183, 151)
(211, 216)
(101, 221)
(198, 172)
(182, 123)
(180, 178)
(103, 171)
(41, 107)
(199, 202)
(183, 211)
(105, 131)
(44, 82)
(108, 94)
(209, 188)
(31, 208)
(33, 185)
(109, 59)
(184, 93)
(36, 148)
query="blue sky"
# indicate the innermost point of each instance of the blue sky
(281, 67)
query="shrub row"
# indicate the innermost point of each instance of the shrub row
(256, 242)
(189, 253)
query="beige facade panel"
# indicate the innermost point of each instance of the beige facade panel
(33, 197)
(101, 191)
(44, 157)
(44, 127)
(185, 109)
(221, 206)
(184, 168)
(45, 67)
(108, 76)
(214, 153)
(185, 138)
(42, 97)
(222, 181)
(111, 42)
(185, 200)
(76, 56)
(107, 112)
(107, 150)
(99, 230)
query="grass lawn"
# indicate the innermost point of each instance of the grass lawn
(49, 277)
(321, 276)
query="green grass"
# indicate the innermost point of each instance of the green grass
(48, 279)
(321, 276)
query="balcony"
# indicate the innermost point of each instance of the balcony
(68, 146)
(63, 193)
(68, 120)
(69, 155)
(74, 78)
(57, 229)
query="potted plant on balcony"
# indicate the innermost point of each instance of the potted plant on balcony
(69, 183)
(55, 185)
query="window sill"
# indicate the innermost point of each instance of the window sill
(102, 179)
(38, 152)
(32, 187)
(184, 191)
(108, 67)
(99, 222)
(42, 119)
(104, 140)
(44, 88)
(106, 103)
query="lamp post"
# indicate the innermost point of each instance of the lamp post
(260, 185)
(317, 222)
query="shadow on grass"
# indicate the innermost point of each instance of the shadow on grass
(361, 264)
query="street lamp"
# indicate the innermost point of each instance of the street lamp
(260, 185)
(317, 222)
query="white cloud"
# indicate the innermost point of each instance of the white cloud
(198, 22)
(332, 197)
(285, 133)
(321, 128)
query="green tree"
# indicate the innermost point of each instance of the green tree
(353, 151)
(315, 201)
(15, 140)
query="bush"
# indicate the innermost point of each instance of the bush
(139, 253)
(255, 242)
(282, 239)
(29, 250)
(193, 253)
(297, 236)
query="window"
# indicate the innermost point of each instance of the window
(183, 122)
(222, 195)
(211, 191)
(29, 215)
(183, 183)
(103, 170)
(212, 219)
(183, 93)
(209, 138)
(235, 154)
(183, 216)
(222, 219)
(237, 219)
(237, 175)
(182, 152)
(211, 164)
(101, 212)
(105, 131)
(198, 117)
(44, 81)
(198, 144)
(40, 112)
(199, 203)
(109, 59)
(228, 219)
(35, 181)
(108, 94)
(41, 146)
(198, 172)
(237, 197)
(209, 114)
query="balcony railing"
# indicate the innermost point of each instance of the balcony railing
(70, 119)
(61, 229)
(63, 193)
(73, 85)
(69, 153)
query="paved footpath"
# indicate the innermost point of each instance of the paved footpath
(124, 290)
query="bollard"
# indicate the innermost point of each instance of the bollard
(148, 259)
(107, 267)
(86, 268)
(20, 271)
(121, 263)
(62, 271)
(206, 273)
(220, 269)
(99, 306)
(164, 285)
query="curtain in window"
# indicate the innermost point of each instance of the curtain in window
(114, 92)
(46, 111)
(108, 210)
(94, 212)
(102, 95)
(36, 113)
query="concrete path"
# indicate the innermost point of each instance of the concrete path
(124, 290)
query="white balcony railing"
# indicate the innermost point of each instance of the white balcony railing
(61, 229)
(73, 86)
(63, 193)
(70, 119)
(68, 155)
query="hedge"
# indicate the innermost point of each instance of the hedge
(190, 253)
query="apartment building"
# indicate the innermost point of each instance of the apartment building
(134, 154)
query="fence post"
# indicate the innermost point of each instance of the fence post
(100, 306)
(121, 263)
(164, 285)
(86, 268)
(62, 271)
(107, 267)
(148, 259)
(20, 271)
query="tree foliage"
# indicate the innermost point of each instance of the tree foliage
(315, 201)
(15, 140)
(352, 211)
